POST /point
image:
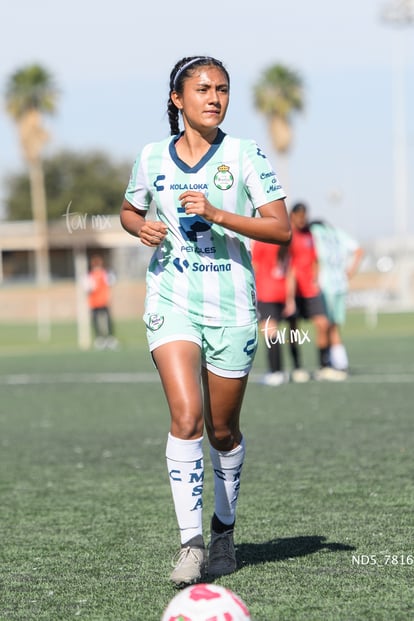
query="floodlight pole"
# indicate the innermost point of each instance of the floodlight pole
(398, 14)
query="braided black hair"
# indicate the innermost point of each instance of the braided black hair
(179, 73)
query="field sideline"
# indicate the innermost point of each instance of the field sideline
(325, 527)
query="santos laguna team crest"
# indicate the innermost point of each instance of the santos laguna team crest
(223, 179)
(154, 321)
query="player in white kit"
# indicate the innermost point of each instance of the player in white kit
(212, 194)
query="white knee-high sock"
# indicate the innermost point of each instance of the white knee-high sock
(186, 473)
(227, 468)
(339, 357)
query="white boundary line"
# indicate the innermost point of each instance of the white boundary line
(23, 379)
(28, 379)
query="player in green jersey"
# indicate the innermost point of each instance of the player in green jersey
(339, 258)
(212, 194)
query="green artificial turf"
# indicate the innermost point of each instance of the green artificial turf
(325, 516)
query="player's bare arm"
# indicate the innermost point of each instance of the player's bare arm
(273, 226)
(150, 232)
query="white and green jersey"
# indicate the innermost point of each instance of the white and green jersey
(201, 268)
(334, 248)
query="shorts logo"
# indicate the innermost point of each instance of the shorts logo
(250, 347)
(155, 322)
(223, 179)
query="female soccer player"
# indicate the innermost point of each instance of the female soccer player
(200, 309)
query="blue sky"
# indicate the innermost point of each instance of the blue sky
(112, 62)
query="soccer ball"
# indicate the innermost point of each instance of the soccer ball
(206, 602)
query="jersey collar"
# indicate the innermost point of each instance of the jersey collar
(193, 169)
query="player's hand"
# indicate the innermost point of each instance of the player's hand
(289, 309)
(197, 203)
(152, 233)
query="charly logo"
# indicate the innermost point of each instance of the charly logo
(157, 185)
(223, 179)
(155, 321)
(250, 347)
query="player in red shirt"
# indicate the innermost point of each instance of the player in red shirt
(308, 300)
(270, 266)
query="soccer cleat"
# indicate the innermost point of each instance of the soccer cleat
(300, 376)
(189, 564)
(111, 343)
(221, 555)
(274, 379)
(330, 374)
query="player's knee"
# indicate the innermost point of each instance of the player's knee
(187, 427)
(321, 322)
(224, 439)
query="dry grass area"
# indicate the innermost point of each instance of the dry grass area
(21, 302)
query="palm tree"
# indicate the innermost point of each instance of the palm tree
(278, 94)
(30, 93)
